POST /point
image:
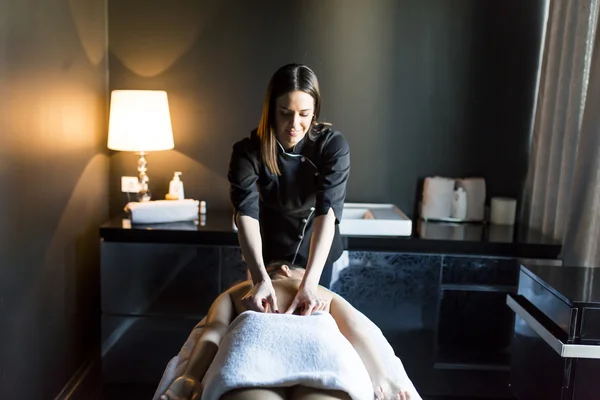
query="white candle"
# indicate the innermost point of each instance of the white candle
(503, 211)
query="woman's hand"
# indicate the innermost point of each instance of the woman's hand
(261, 297)
(386, 389)
(183, 388)
(307, 302)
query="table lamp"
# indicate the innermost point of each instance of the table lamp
(140, 122)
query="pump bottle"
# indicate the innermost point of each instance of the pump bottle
(176, 187)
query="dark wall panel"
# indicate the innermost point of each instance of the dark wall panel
(418, 87)
(54, 181)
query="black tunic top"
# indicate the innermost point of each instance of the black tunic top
(313, 179)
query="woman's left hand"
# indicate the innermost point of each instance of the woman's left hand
(307, 302)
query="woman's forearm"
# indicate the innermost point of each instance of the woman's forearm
(219, 316)
(251, 245)
(357, 333)
(203, 353)
(320, 245)
(367, 352)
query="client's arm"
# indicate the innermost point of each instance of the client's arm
(353, 328)
(219, 317)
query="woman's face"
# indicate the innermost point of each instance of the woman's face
(293, 115)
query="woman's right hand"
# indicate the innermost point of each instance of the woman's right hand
(183, 388)
(261, 297)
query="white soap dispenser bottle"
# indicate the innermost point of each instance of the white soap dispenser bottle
(176, 187)
(459, 204)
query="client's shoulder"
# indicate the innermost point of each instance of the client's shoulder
(239, 289)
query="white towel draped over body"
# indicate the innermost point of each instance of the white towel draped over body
(283, 350)
(392, 364)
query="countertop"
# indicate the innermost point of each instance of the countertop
(216, 228)
(574, 285)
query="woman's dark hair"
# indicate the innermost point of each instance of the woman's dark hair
(273, 266)
(288, 78)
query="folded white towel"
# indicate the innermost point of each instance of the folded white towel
(438, 195)
(283, 350)
(392, 363)
(476, 193)
(162, 211)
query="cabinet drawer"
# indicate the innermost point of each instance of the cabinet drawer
(479, 270)
(158, 279)
(137, 349)
(545, 301)
(590, 326)
(474, 330)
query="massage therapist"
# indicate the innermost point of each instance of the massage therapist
(288, 185)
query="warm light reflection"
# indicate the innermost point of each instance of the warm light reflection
(91, 24)
(149, 42)
(57, 117)
(201, 182)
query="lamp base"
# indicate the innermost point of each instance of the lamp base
(144, 193)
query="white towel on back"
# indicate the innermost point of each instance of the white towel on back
(392, 364)
(283, 350)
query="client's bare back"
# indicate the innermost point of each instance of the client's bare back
(285, 290)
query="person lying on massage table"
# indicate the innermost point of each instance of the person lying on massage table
(336, 358)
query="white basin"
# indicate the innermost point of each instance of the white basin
(356, 213)
(372, 219)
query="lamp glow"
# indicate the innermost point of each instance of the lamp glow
(140, 122)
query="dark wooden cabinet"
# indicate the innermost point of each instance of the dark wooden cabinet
(152, 295)
(439, 300)
(474, 325)
(556, 340)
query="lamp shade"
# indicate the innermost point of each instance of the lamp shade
(139, 121)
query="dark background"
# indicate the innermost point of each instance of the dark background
(54, 182)
(418, 87)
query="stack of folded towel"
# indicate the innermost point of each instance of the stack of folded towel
(476, 193)
(162, 211)
(438, 193)
(439, 198)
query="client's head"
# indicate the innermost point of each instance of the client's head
(284, 270)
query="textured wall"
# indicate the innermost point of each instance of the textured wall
(54, 180)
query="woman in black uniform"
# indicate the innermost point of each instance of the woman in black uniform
(288, 185)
